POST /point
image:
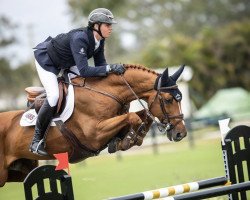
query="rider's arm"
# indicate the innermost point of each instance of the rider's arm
(79, 47)
(100, 60)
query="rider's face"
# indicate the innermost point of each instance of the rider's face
(106, 30)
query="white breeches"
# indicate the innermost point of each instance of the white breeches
(50, 83)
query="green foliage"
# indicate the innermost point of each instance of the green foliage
(5, 74)
(223, 59)
(12, 80)
(22, 77)
(219, 58)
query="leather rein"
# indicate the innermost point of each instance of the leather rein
(97, 91)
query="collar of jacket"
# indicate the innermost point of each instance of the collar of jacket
(91, 38)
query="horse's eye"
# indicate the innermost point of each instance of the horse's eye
(168, 101)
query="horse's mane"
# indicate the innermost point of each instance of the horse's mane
(139, 67)
(128, 66)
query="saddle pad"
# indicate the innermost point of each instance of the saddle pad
(30, 116)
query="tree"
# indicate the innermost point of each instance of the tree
(12, 81)
(5, 75)
(217, 62)
(5, 40)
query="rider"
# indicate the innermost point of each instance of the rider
(65, 51)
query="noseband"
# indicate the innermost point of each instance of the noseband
(166, 124)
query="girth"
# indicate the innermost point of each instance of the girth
(79, 151)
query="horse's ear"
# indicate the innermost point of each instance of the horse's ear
(164, 77)
(177, 74)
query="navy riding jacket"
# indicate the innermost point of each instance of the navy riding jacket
(70, 49)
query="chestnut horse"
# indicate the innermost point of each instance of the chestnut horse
(97, 118)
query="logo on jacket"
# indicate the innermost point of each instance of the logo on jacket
(82, 51)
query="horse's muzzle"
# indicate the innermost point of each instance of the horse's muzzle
(176, 135)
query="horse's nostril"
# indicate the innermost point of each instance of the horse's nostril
(178, 136)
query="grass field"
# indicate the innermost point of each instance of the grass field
(105, 176)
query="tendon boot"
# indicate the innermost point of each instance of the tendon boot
(43, 121)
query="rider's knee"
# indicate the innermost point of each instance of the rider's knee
(53, 99)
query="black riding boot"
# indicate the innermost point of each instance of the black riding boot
(43, 121)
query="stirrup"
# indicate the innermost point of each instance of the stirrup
(112, 145)
(37, 151)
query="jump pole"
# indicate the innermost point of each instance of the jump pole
(173, 190)
(212, 192)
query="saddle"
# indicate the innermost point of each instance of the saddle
(37, 95)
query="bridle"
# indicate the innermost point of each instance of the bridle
(166, 125)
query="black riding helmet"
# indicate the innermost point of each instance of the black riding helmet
(99, 16)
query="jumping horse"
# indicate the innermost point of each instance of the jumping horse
(100, 119)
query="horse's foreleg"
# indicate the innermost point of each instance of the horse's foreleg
(131, 135)
(134, 136)
(107, 129)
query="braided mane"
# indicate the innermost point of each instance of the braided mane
(139, 67)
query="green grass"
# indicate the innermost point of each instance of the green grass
(104, 176)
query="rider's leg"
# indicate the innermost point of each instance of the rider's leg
(44, 118)
(46, 112)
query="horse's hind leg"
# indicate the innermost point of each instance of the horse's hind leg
(20, 168)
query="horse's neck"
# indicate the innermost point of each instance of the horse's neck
(141, 81)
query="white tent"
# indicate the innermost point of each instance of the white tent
(234, 102)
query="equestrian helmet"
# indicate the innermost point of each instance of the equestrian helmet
(101, 15)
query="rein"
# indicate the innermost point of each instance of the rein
(83, 85)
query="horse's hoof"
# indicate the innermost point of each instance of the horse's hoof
(112, 145)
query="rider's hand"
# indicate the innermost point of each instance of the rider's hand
(116, 68)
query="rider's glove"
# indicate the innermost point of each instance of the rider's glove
(115, 68)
